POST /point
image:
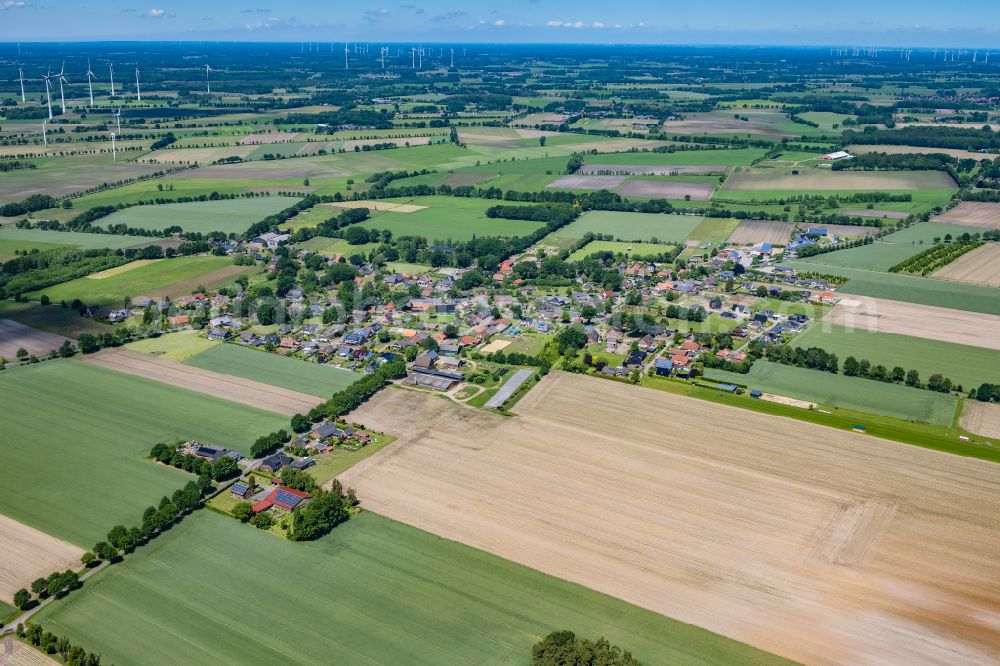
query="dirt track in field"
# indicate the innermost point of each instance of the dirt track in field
(820, 545)
(984, 215)
(227, 387)
(14, 336)
(982, 418)
(980, 266)
(923, 321)
(27, 554)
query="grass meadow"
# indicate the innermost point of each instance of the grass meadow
(373, 592)
(12, 239)
(909, 288)
(445, 218)
(827, 389)
(638, 249)
(642, 227)
(230, 216)
(75, 438)
(290, 373)
(169, 277)
(963, 364)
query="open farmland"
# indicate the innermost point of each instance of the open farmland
(390, 594)
(901, 150)
(723, 123)
(980, 266)
(26, 239)
(719, 159)
(635, 249)
(821, 545)
(750, 232)
(274, 370)
(650, 170)
(982, 418)
(443, 218)
(14, 336)
(78, 436)
(883, 315)
(641, 227)
(815, 179)
(666, 189)
(17, 653)
(26, 554)
(586, 182)
(230, 216)
(58, 320)
(195, 378)
(840, 391)
(973, 214)
(171, 278)
(69, 175)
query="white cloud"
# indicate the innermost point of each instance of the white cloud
(554, 24)
(11, 4)
(156, 13)
(598, 24)
(499, 23)
(263, 25)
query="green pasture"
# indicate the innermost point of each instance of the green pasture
(724, 157)
(12, 239)
(76, 437)
(963, 364)
(52, 318)
(909, 288)
(634, 249)
(641, 227)
(230, 216)
(267, 368)
(178, 346)
(856, 393)
(168, 277)
(448, 218)
(373, 592)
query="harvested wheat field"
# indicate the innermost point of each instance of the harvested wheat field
(27, 554)
(651, 170)
(816, 544)
(982, 418)
(980, 266)
(377, 205)
(973, 214)
(228, 387)
(586, 182)
(750, 232)
(15, 653)
(124, 268)
(665, 189)
(880, 214)
(268, 138)
(882, 315)
(14, 336)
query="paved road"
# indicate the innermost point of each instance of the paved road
(508, 389)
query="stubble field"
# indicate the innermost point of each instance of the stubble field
(823, 546)
(981, 266)
(750, 232)
(26, 554)
(973, 214)
(15, 336)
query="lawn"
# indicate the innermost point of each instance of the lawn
(963, 364)
(171, 277)
(637, 249)
(329, 465)
(827, 389)
(448, 218)
(640, 227)
(75, 437)
(290, 373)
(909, 288)
(230, 216)
(373, 592)
(12, 239)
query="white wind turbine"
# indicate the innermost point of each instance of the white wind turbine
(62, 80)
(114, 148)
(413, 57)
(453, 58)
(45, 137)
(48, 91)
(208, 84)
(347, 52)
(20, 71)
(118, 118)
(90, 82)
(138, 90)
(111, 74)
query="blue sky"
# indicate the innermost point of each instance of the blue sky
(868, 22)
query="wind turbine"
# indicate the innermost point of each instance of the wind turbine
(382, 54)
(111, 74)
(453, 58)
(114, 148)
(20, 70)
(118, 118)
(347, 52)
(90, 82)
(45, 137)
(62, 80)
(138, 91)
(48, 91)
(413, 57)
(208, 85)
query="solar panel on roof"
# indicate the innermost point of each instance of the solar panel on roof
(286, 497)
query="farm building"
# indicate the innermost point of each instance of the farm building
(275, 462)
(241, 490)
(285, 499)
(834, 156)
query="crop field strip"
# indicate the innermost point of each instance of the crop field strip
(191, 377)
(399, 595)
(27, 554)
(982, 418)
(632, 226)
(15, 336)
(750, 232)
(79, 435)
(807, 179)
(16, 653)
(980, 266)
(646, 496)
(227, 215)
(973, 214)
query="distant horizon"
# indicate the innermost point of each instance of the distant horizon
(891, 23)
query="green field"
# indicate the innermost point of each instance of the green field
(963, 364)
(909, 288)
(738, 157)
(638, 249)
(12, 239)
(641, 227)
(75, 437)
(169, 277)
(865, 395)
(373, 592)
(52, 318)
(261, 366)
(889, 250)
(448, 218)
(230, 216)
(177, 346)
